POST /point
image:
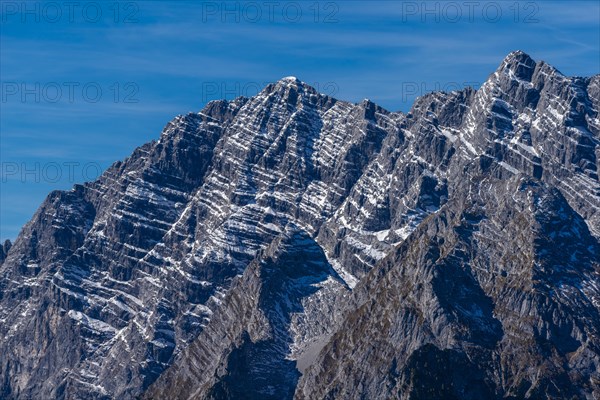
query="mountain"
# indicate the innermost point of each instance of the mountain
(292, 245)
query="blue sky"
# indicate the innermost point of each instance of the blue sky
(84, 83)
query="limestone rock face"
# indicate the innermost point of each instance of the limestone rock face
(291, 245)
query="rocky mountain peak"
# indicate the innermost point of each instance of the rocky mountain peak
(271, 247)
(518, 63)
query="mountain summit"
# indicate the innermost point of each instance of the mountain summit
(292, 245)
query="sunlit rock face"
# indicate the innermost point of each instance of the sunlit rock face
(291, 245)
